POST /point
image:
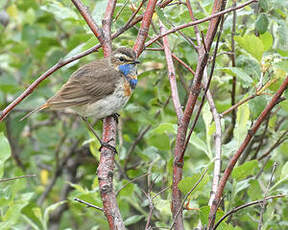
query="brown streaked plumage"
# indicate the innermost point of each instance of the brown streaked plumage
(88, 87)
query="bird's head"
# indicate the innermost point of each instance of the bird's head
(124, 60)
(124, 57)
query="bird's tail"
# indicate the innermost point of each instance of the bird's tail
(34, 111)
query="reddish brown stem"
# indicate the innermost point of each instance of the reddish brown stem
(106, 25)
(216, 15)
(143, 32)
(196, 29)
(239, 152)
(106, 163)
(189, 108)
(89, 20)
(256, 202)
(238, 104)
(171, 74)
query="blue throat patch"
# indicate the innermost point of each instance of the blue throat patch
(126, 69)
(133, 82)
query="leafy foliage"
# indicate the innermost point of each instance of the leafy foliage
(64, 156)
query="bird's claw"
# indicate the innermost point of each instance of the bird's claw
(108, 146)
(116, 116)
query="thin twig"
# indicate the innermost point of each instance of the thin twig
(234, 159)
(280, 140)
(207, 85)
(131, 181)
(196, 29)
(233, 58)
(171, 75)
(186, 196)
(88, 204)
(264, 203)
(161, 191)
(234, 210)
(16, 178)
(199, 21)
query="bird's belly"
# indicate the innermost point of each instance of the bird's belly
(106, 106)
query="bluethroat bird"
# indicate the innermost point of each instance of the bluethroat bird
(98, 89)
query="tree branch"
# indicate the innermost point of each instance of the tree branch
(234, 210)
(239, 152)
(215, 15)
(189, 108)
(89, 20)
(171, 75)
(143, 33)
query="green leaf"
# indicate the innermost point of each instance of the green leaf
(165, 128)
(162, 17)
(267, 40)
(257, 105)
(187, 183)
(245, 79)
(254, 190)
(30, 16)
(13, 214)
(252, 44)
(133, 219)
(207, 117)
(59, 10)
(204, 215)
(200, 144)
(50, 209)
(160, 141)
(264, 5)
(261, 24)
(283, 65)
(249, 168)
(128, 190)
(5, 152)
(241, 186)
(284, 171)
(99, 10)
(163, 206)
(33, 215)
(282, 34)
(242, 123)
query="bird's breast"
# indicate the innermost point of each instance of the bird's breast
(127, 89)
(110, 104)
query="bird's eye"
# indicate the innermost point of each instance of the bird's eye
(121, 59)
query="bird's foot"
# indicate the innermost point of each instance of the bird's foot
(108, 146)
(116, 116)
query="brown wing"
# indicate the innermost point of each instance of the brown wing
(88, 84)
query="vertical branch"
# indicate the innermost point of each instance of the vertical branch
(106, 25)
(218, 146)
(106, 163)
(105, 176)
(264, 203)
(196, 29)
(189, 108)
(143, 32)
(239, 152)
(171, 74)
(234, 80)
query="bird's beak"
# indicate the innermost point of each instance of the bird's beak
(136, 62)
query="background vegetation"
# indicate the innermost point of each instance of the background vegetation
(61, 156)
